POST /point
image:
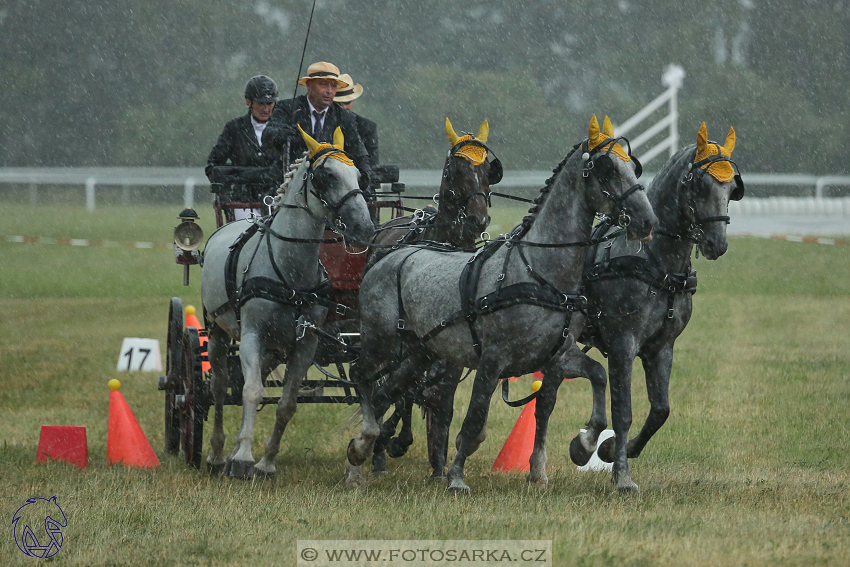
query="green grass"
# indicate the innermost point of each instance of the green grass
(750, 469)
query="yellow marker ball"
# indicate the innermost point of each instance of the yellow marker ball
(114, 385)
(536, 385)
(190, 310)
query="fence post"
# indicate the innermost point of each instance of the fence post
(90, 183)
(672, 79)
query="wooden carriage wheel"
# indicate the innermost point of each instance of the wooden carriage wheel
(195, 404)
(173, 384)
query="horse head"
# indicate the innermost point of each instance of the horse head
(467, 176)
(711, 182)
(332, 191)
(610, 174)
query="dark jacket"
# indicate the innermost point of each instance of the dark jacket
(238, 144)
(286, 118)
(368, 131)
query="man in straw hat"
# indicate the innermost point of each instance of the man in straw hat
(367, 129)
(318, 115)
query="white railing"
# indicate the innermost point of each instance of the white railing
(191, 179)
(672, 79)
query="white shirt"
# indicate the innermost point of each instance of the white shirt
(258, 129)
(313, 109)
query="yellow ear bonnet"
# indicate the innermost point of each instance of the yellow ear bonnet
(720, 170)
(473, 153)
(597, 137)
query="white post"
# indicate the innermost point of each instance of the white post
(90, 183)
(189, 193)
(672, 78)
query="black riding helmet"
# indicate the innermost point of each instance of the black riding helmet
(261, 89)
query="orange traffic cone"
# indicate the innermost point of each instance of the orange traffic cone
(519, 444)
(126, 443)
(192, 321)
(63, 442)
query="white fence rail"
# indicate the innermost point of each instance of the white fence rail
(191, 179)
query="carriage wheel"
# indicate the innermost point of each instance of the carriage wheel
(173, 375)
(194, 406)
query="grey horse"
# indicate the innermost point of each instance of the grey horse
(504, 311)
(644, 293)
(464, 199)
(260, 285)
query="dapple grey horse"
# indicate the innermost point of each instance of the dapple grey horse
(462, 217)
(264, 296)
(644, 293)
(504, 311)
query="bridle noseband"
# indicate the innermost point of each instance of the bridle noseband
(319, 176)
(493, 177)
(602, 166)
(694, 233)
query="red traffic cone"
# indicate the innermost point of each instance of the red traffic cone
(519, 444)
(65, 442)
(192, 321)
(126, 443)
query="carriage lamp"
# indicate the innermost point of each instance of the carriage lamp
(187, 238)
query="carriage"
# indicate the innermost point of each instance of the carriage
(186, 382)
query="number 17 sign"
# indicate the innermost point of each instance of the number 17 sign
(140, 354)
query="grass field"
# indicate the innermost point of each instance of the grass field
(752, 468)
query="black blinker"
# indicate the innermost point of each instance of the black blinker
(321, 177)
(738, 191)
(495, 174)
(603, 167)
(638, 167)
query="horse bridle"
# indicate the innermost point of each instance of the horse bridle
(493, 177)
(694, 233)
(318, 175)
(603, 168)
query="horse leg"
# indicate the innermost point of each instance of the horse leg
(620, 361)
(241, 460)
(379, 455)
(657, 367)
(547, 395)
(473, 431)
(399, 445)
(572, 364)
(219, 382)
(296, 370)
(374, 401)
(440, 415)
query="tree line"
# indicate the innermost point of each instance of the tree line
(132, 82)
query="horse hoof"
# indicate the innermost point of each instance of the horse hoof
(396, 448)
(578, 454)
(215, 468)
(376, 472)
(540, 482)
(243, 470)
(435, 477)
(263, 475)
(628, 489)
(353, 456)
(353, 475)
(606, 450)
(459, 487)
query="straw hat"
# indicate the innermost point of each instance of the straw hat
(350, 93)
(323, 70)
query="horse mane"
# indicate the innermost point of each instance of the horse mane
(528, 220)
(287, 179)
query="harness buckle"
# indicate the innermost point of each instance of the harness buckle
(340, 309)
(670, 313)
(500, 278)
(400, 325)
